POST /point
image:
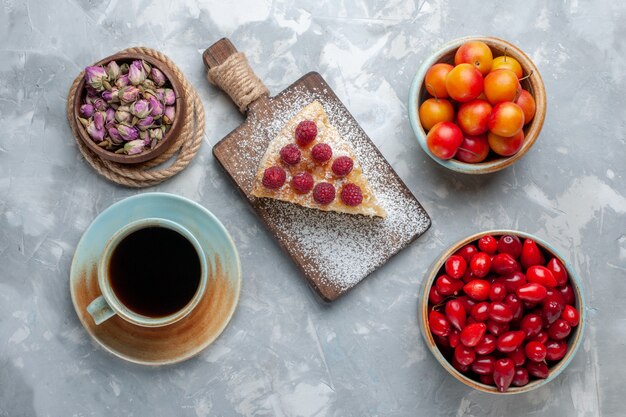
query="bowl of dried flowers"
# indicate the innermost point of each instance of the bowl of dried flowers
(129, 108)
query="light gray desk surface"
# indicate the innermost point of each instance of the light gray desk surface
(286, 353)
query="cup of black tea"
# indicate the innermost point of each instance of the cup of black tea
(152, 272)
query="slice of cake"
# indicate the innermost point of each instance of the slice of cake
(310, 164)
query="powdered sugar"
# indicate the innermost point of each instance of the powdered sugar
(333, 249)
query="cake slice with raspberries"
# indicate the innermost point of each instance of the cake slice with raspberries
(310, 164)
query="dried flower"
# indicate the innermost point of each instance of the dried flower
(128, 94)
(169, 97)
(145, 123)
(157, 107)
(98, 120)
(160, 94)
(114, 135)
(158, 77)
(96, 134)
(136, 73)
(113, 70)
(111, 96)
(140, 108)
(86, 110)
(94, 76)
(156, 133)
(127, 133)
(122, 115)
(146, 67)
(169, 114)
(110, 115)
(134, 147)
(124, 68)
(100, 104)
(122, 81)
(92, 93)
(149, 85)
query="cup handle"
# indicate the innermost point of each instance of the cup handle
(99, 310)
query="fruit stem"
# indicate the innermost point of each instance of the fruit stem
(467, 150)
(505, 55)
(444, 301)
(526, 76)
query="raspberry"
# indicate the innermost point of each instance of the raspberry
(290, 154)
(302, 183)
(306, 131)
(324, 193)
(342, 166)
(274, 177)
(351, 195)
(321, 152)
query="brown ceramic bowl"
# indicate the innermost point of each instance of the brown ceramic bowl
(573, 340)
(169, 137)
(534, 85)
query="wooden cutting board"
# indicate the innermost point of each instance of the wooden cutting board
(335, 251)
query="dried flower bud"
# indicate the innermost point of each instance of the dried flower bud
(140, 108)
(160, 94)
(122, 81)
(158, 77)
(128, 94)
(96, 134)
(110, 115)
(100, 104)
(123, 116)
(145, 123)
(157, 107)
(113, 70)
(124, 68)
(127, 133)
(86, 110)
(134, 147)
(92, 93)
(156, 133)
(94, 76)
(111, 96)
(169, 114)
(146, 67)
(114, 135)
(136, 73)
(107, 85)
(98, 120)
(169, 97)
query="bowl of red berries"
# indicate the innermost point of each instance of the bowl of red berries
(477, 105)
(502, 311)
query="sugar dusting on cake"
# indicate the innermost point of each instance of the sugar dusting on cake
(341, 249)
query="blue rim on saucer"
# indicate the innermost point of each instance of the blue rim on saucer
(189, 336)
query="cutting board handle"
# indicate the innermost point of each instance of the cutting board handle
(228, 69)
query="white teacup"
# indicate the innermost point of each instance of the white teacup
(108, 304)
